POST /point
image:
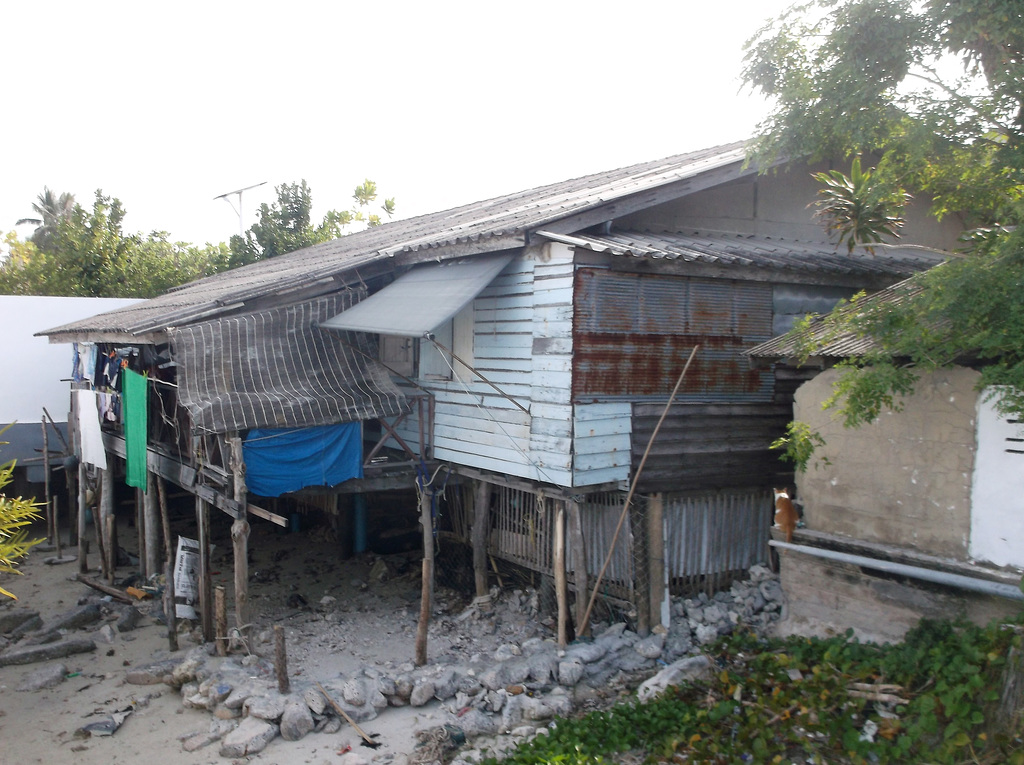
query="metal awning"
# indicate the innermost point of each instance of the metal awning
(422, 299)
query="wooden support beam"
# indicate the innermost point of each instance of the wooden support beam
(221, 615)
(140, 528)
(656, 556)
(427, 581)
(240, 543)
(106, 525)
(83, 563)
(281, 661)
(479, 534)
(579, 564)
(205, 576)
(151, 521)
(170, 609)
(184, 476)
(561, 585)
(46, 484)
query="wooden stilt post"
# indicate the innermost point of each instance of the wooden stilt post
(151, 525)
(46, 482)
(83, 553)
(579, 565)
(165, 520)
(56, 527)
(140, 526)
(240, 542)
(479, 534)
(561, 585)
(427, 589)
(108, 527)
(205, 577)
(656, 557)
(170, 609)
(221, 611)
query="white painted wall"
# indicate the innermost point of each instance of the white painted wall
(30, 378)
(997, 494)
(522, 342)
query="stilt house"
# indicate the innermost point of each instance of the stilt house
(519, 351)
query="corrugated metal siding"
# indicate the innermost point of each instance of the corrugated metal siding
(633, 333)
(712, 538)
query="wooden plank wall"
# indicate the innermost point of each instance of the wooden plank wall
(603, 438)
(710, 446)
(523, 344)
(551, 434)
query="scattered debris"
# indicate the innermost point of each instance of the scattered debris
(107, 726)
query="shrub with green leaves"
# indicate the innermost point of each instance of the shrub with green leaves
(16, 514)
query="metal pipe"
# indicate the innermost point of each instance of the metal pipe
(1010, 591)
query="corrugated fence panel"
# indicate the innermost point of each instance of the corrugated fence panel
(712, 538)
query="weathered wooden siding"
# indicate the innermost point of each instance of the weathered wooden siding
(709, 446)
(602, 442)
(551, 435)
(522, 343)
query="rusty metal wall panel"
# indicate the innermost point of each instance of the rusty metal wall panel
(633, 332)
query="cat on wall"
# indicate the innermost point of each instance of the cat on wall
(785, 513)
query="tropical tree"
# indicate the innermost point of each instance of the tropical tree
(852, 208)
(89, 254)
(51, 209)
(286, 225)
(934, 91)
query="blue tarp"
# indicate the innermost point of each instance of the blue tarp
(281, 460)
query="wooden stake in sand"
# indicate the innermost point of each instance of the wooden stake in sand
(280, 660)
(220, 608)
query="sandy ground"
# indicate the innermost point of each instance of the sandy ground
(293, 581)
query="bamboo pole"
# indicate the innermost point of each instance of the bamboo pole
(632, 488)
(152, 522)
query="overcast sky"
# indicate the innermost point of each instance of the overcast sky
(168, 105)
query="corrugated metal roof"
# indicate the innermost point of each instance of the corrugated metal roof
(510, 217)
(824, 339)
(755, 252)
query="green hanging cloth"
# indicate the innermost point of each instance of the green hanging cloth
(136, 426)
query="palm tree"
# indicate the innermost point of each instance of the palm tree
(857, 208)
(51, 209)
